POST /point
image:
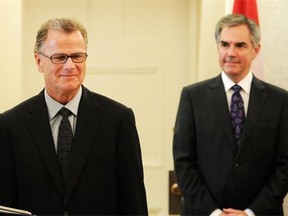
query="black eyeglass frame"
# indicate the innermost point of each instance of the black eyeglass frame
(66, 57)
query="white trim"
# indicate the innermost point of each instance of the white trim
(229, 6)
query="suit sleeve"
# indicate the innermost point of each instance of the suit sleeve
(275, 190)
(8, 190)
(132, 195)
(197, 199)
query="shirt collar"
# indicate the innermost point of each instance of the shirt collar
(54, 106)
(245, 83)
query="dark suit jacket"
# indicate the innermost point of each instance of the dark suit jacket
(210, 173)
(106, 172)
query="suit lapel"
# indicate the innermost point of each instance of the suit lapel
(257, 100)
(86, 127)
(38, 124)
(219, 101)
(87, 124)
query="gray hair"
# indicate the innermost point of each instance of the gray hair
(67, 25)
(236, 20)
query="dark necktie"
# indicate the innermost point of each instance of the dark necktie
(237, 114)
(64, 145)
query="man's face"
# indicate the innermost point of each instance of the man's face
(62, 80)
(236, 51)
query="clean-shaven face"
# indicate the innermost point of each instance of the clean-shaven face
(236, 51)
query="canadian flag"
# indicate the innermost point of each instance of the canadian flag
(249, 9)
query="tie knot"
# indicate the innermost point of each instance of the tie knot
(236, 88)
(65, 112)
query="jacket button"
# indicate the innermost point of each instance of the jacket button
(237, 165)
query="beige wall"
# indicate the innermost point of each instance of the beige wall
(11, 53)
(202, 53)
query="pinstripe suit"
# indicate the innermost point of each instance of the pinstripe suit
(210, 173)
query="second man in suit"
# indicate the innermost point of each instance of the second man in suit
(231, 150)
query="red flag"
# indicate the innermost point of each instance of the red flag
(248, 8)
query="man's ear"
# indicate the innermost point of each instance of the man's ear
(38, 62)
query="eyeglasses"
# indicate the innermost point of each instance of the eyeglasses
(62, 58)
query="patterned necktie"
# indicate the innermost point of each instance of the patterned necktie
(64, 145)
(237, 114)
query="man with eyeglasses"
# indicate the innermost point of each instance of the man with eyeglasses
(68, 150)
